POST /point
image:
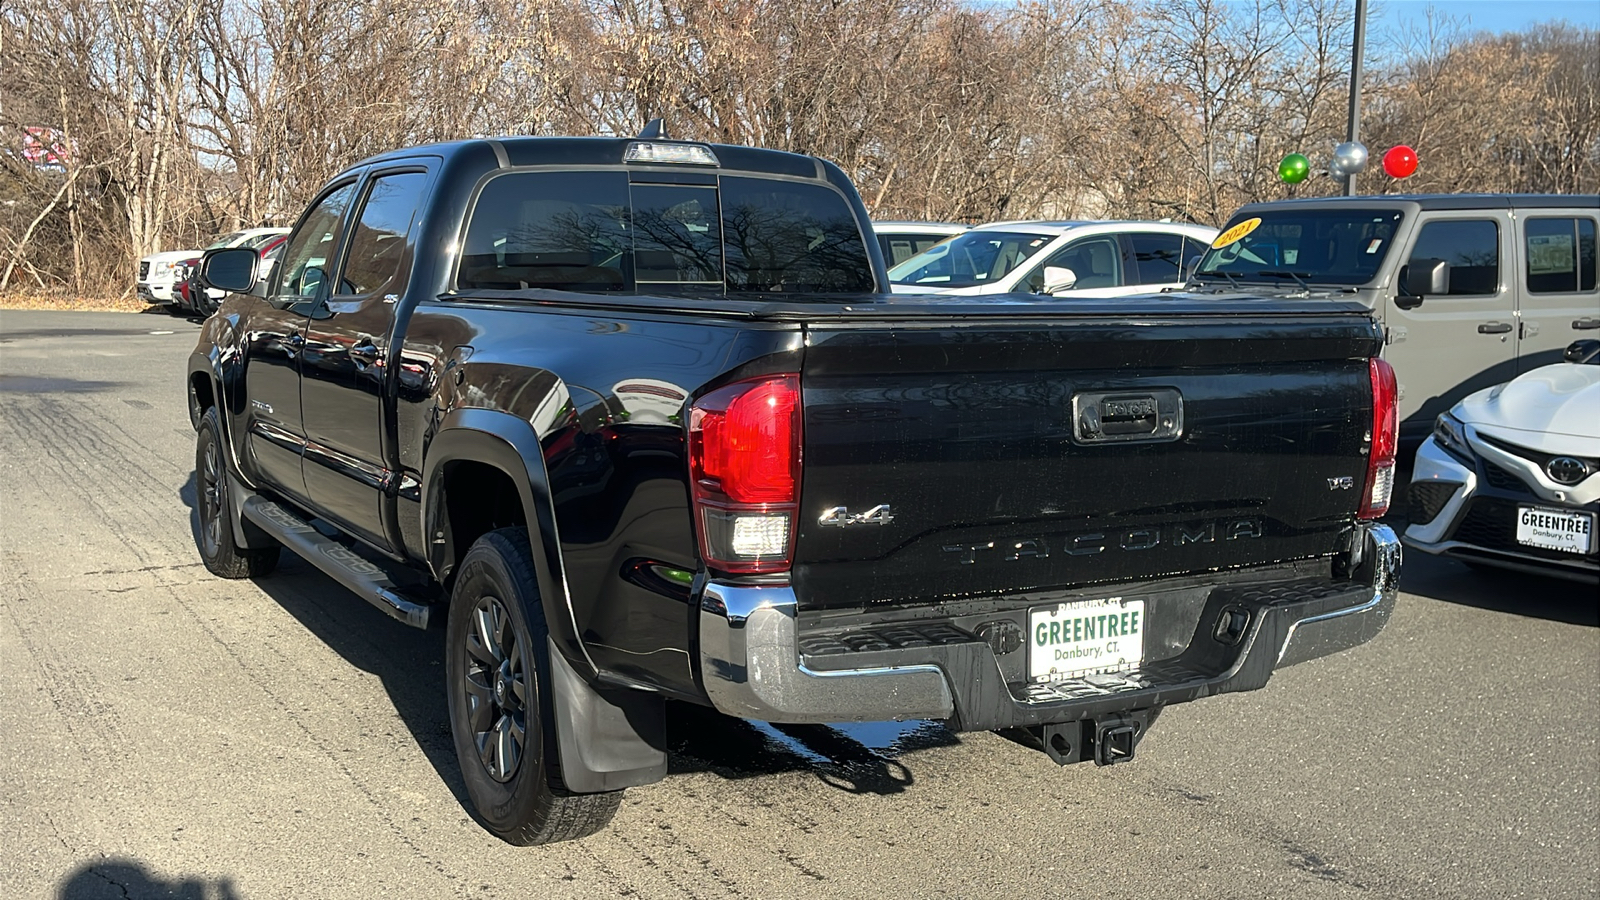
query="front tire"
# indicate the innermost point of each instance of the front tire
(218, 550)
(497, 669)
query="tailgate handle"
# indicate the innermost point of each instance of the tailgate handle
(1104, 416)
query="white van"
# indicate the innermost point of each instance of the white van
(1471, 288)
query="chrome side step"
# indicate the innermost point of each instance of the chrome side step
(368, 580)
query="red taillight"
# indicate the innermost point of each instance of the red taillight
(744, 473)
(1385, 441)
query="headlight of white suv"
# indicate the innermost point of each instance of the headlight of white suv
(1450, 434)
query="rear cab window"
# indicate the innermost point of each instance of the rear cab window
(594, 231)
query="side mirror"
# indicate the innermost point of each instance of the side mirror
(1584, 351)
(1059, 278)
(230, 269)
(311, 279)
(1190, 266)
(1422, 278)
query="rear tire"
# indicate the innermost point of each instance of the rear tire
(218, 550)
(497, 672)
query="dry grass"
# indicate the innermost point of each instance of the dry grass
(67, 301)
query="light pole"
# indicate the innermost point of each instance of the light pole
(1356, 52)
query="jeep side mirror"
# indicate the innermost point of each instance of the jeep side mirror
(1059, 278)
(1584, 351)
(1423, 277)
(231, 269)
(1190, 266)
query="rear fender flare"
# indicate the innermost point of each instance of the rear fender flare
(509, 444)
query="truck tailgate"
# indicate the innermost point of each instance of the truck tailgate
(1201, 441)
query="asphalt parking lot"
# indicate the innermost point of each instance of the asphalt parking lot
(166, 733)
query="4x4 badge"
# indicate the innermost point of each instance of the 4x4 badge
(841, 516)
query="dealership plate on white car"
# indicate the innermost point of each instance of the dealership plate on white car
(1555, 529)
(1087, 637)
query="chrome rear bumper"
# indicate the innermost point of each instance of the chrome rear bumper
(752, 666)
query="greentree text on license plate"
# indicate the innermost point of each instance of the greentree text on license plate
(1555, 529)
(1087, 637)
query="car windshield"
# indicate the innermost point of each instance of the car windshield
(1314, 246)
(971, 259)
(225, 241)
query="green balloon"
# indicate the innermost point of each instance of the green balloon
(1294, 168)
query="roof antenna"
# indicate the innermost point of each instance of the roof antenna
(655, 130)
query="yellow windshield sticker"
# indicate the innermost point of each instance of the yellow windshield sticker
(1235, 234)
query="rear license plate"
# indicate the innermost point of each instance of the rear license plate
(1555, 529)
(1087, 637)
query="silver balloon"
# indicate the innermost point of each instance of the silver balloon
(1349, 158)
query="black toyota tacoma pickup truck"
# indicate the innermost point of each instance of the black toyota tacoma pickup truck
(639, 420)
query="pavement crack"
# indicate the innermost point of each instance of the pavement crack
(95, 871)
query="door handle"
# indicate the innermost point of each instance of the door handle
(293, 342)
(1585, 324)
(364, 353)
(1494, 328)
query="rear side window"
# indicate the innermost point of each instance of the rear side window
(1470, 246)
(1159, 257)
(377, 260)
(1561, 255)
(897, 248)
(593, 231)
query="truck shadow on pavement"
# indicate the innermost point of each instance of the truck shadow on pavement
(861, 758)
(121, 877)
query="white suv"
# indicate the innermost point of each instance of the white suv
(159, 273)
(1101, 259)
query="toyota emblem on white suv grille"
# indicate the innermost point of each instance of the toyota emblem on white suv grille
(1566, 470)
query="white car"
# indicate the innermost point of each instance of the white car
(902, 240)
(1100, 259)
(1510, 477)
(159, 273)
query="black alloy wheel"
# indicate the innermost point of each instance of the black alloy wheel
(497, 677)
(208, 494)
(496, 687)
(214, 535)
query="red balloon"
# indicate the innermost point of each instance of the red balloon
(1400, 162)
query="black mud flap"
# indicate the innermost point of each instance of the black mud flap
(606, 743)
